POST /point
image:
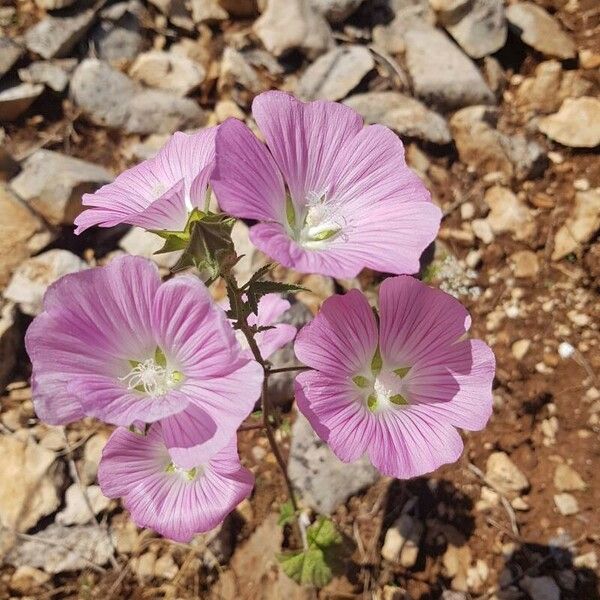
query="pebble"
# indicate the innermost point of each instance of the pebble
(323, 482)
(567, 479)
(540, 30)
(540, 588)
(165, 567)
(576, 124)
(457, 561)
(52, 184)
(508, 213)
(168, 71)
(505, 475)
(565, 350)
(566, 503)
(441, 74)
(589, 560)
(479, 27)
(238, 78)
(336, 11)
(56, 36)
(482, 230)
(285, 26)
(405, 115)
(33, 277)
(10, 53)
(525, 264)
(519, 504)
(143, 566)
(581, 226)
(15, 100)
(118, 39)
(335, 74)
(401, 544)
(49, 73)
(26, 578)
(77, 510)
(520, 348)
(207, 11)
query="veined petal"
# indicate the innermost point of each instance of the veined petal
(169, 211)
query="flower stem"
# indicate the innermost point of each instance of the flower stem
(289, 369)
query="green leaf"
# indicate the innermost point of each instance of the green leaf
(267, 287)
(286, 514)
(323, 533)
(258, 275)
(308, 567)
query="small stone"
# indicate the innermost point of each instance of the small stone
(322, 481)
(473, 258)
(207, 11)
(118, 39)
(467, 211)
(520, 348)
(589, 560)
(405, 115)
(566, 503)
(567, 479)
(139, 242)
(25, 579)
(144, 565)
(482, 230)
(126, 537)
(479, 27)
(336, 11)
(285, 26)
(540, 588)
(589, 59)
(33, 277)
(165, 567)
(177, 12)
(441, 74)
(47, 72)
(391, 592)
(540, 30)
(519, 504)
(52, 184)
(55, 37)
(525, 264)
(565, 350)
(27, 491)
(168, 71)
(581, 226)
(238, 78)
(505, 475)
(77, 509)
(335, 74)
(226, 109)
(10, 53)
(10, 341)
(456, 561)
(576, 124)
(508, 213)
(15, 100)
(401, 544)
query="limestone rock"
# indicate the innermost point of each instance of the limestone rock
(204, 11)
(33, 277)
(15, 100)
(118, 38)
(335, 74)
(52, 184)
(479, 27)
(10, 53)
(77, 510)
(56, 36)
(46, 72)
(508, 213)
(540, 30)
(26, 579)
(405, 115)
(22, 233)
(457, 561)
(177, 12)
(72, 550)
(576, 124)
(322, 480)
(505, 475)
(566, 504)
(401, 544)
(441, 74)
(27, 492)
(520, 348)
(581, 226)
(525, 264)
(567, 479)
(336, 11)
(238, 78)
(10, 341)
(168, 71)
(287, 25)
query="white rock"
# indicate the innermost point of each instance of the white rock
(508, 213)
(540, 30)
(10, 53)
(33, 277)
(336, 11)
(284, 26)
(335, 74)
(567, 479)
(405, 115)
(45, 72)
(589, 560)
(165, 567)
(520, 348)
(576, 124)
(119, 39)
(52, 184)
(238, 78)
(504, 474)
(77, 511)
(25, 579)
(482, 230)
(441, 74)
(566, 503)
(581, 226)
(565, 350)
(15, 100)
(401, 544)
(525, 264)
(168, 71)
(27, 492)
(207, 11)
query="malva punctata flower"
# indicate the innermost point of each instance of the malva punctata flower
(175, 501)
(394, 388)
(115, 343)
(332, 196)
(160, 192)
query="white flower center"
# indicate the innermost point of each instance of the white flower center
(185, 474)
(383, 389)
(151, 378)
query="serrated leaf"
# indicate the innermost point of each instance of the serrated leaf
(322, 533)
(267, 287)
(307, 567)
(286, 514)
(258, 275)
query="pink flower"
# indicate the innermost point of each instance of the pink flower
(175, 501)
(332, 197)
(396, 391)
(158, 193)
(116, 344)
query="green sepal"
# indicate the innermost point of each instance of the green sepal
(398, 399)
(402, 372)
(360, 381)
(324, 235)
(290, 211)
(376, 362)
(159, 358)
(372, 402)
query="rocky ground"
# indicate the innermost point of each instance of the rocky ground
(498, 106)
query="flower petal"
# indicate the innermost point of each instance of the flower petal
(167, 212)
(304, 138)
(246, 179)
(342, 338)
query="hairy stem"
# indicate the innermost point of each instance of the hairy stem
(288, 369)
